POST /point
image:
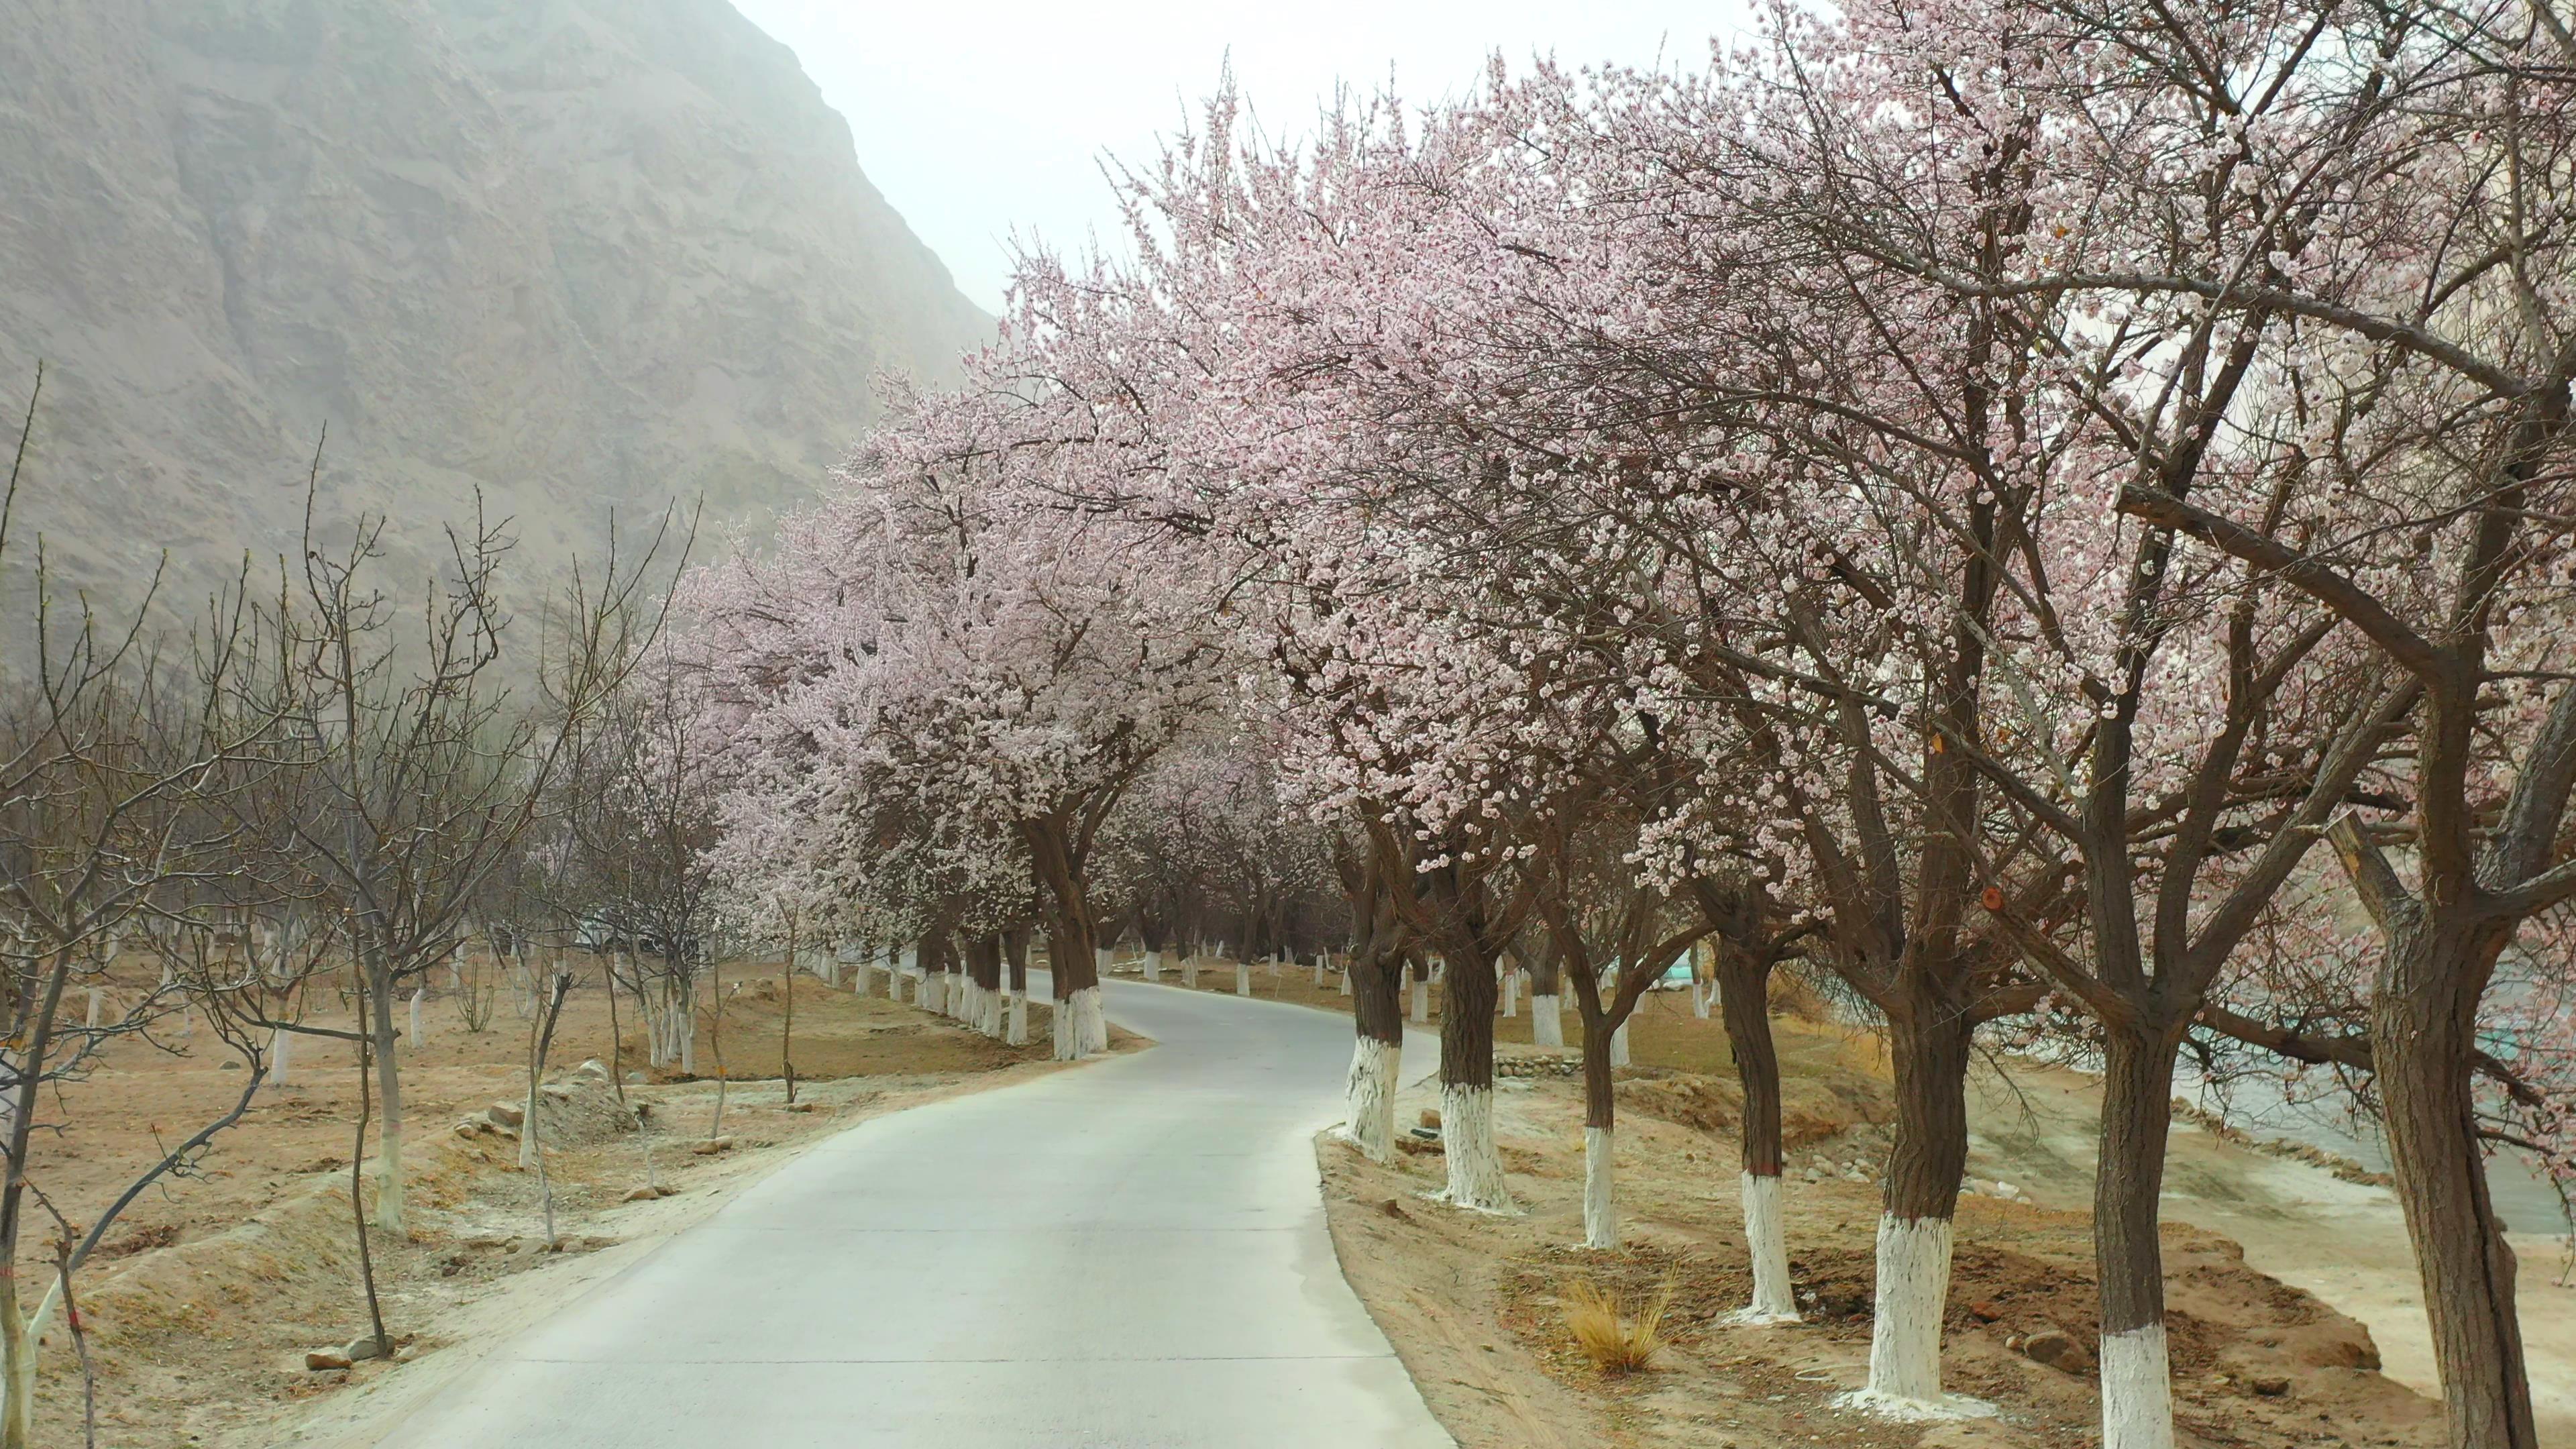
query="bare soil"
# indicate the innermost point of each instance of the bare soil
(1471, 1301)
(202, 1302)
(2309, 1226)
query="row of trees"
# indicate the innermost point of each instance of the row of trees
(1969, 499)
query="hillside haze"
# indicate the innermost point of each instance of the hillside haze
(579, 254)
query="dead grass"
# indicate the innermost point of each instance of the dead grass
(1617, 1336)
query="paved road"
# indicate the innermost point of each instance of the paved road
(1124, 1255)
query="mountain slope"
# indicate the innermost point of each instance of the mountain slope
(575, 254)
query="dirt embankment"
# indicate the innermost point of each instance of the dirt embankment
(205, 1299)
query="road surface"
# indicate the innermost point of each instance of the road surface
(1127, 1254)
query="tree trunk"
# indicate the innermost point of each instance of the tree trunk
(1547, 998)
(389, 1130)
(1467, 1083)
(1080, 1029)
(1743, 998)
(1600, 1140)
(2423, 1030)
(1929, 1041)
(1015, 953)
(1377, 1053)
(2128, 1180)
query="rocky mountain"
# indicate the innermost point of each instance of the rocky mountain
(576, 254)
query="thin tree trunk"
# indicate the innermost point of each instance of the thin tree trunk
(358, 1209)
(787, 1019)
(1743, 992)
(1600, 1136)
(389, 1132)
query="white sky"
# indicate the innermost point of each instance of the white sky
(978, 116)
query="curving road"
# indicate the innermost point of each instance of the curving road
(1123, 1255)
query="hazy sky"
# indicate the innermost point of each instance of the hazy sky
(978, 116)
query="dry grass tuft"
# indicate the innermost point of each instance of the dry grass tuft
(1618, 1338)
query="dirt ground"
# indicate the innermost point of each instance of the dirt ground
(2271, 1264)
(202, 1302)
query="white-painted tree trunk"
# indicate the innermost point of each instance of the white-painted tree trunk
(1600, 1201)
(1766, 1239)
(1619, 1046)
(1242, 979)
(1421, 1002)
(1371, 1097)
(996, 1009)
(281, 1047)
(1511, 993)
(934, 985)
(1080, 1030)
(1346, 980)
(2137, 1390)
(97, 1005)
(1017, 1032)
(1547, 1020)
(419, 1035)
(1190, 973)
(528, 1130)
(1905, 1338)
(1467, 1141)
(1699, 1000)
(1153, 965)
(685, 1030)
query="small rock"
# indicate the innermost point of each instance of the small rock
(325, 1358)
(710, 1146)
(643, 1194)
(804, 1107)
(1430, 1117)
(2056, 1348)
(2271, 1386)
(592, 1068)
(361, 1348)
(1984, 1310)
(634, 1079)
(229, 1066)
(1395, 1209)
(506, 1114)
